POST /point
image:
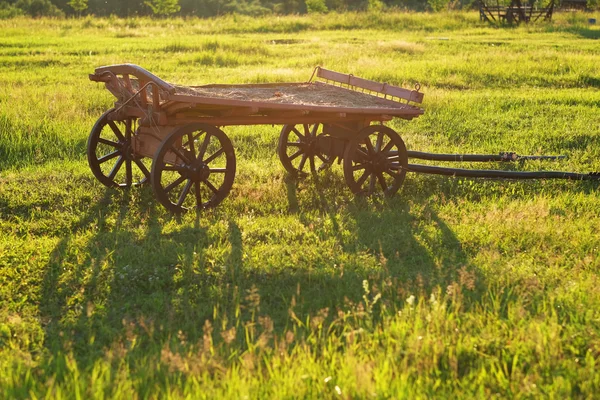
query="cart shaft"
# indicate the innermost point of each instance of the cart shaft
(497, 174)
(504, 156)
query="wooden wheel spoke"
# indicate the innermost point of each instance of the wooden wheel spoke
(190, 143)
(128, 173)
(362, 178)
(198, 194)
(174, 184)
(382, 182)
(180, 154)
(191, 140)
(116, 168)
(314, 130)
(204, 145)
(361, 153)
(322, 158)
(184, 192)
(388, 147)
(357, 167)
(295, 144)
(297, 132)
(313, 168)
(218, 170)
(370, 149)
(215, 155)
(109, 156)
(296, 154)
(379, 142)
(306, 131)
(211, 186)
(393, 175)
(302, 162)
(116, 130)
(142, 167)
(109, 142)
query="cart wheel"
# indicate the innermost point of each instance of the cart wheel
(298, 149)
(194, 167)
(376, 156)
(111, 156)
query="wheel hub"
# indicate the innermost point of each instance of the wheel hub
(199, 172)
(311, 147)
(379, 162)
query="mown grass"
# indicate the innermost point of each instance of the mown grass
(454, 288)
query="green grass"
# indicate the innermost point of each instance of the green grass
(453, 288)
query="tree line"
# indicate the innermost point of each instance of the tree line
(211, 8)
(206, 8)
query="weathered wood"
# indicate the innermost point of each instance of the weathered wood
(516, 12)
(138, 72)
(399, 112)
(273, 120)
(148, 139)
(383, 88)
(143, 95)
(127, 83)
(156, 98)
(241, 111)
(173, 106)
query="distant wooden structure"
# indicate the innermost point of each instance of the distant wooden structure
(573, 5)
(515, 13)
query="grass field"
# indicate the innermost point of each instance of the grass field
(453, 288)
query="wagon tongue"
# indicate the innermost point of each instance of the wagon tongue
(499, 174)
(492, 174)
(504, 156)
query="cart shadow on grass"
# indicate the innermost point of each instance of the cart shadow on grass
(134, 288)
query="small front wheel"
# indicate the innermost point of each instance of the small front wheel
(110, 153)
(375, 159)
(194, 167)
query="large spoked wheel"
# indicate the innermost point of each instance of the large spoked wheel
(298, 149)
(194, 167)
(375, 161)
(110, 154)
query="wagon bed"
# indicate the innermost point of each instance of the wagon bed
(314, 95)
(178, 130)
(332, 96)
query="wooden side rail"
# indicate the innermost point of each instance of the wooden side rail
(383, 88)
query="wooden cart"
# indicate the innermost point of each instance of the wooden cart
(171, 135)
